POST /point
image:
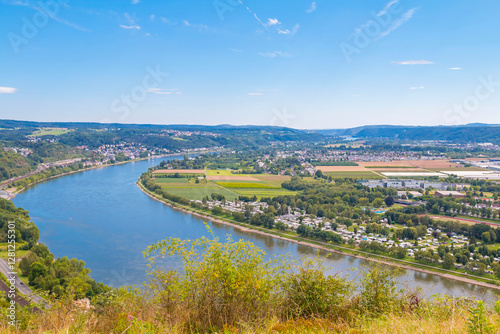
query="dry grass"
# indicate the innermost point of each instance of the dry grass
(141, 318)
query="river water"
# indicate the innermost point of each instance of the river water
(100, 216)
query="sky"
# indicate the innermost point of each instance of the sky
(303, 64)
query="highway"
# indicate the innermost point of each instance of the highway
(21, 287)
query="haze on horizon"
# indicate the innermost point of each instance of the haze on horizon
(306, 64)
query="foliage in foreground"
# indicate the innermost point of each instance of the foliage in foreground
(232, 287)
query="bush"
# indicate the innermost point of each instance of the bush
(309, 293)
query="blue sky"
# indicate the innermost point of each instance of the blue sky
(302, 64)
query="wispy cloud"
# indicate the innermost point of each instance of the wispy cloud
(236, 50)
(397, 23)
(272, 22)
(152, 17)
(133, 26)
(45, 12)
(274, 54)
(256, 93)
(455, 68)
(135, 2)
(131, 22)
(163, 91)
(312, 8)
(167, 21)
(420, 87)
(7, 90)
(199, 27)
(289, 32)
(413, 62)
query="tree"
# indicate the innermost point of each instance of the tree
(448, 261)
(377, 202)
(486, 236)
(389, 201)
(36, 270)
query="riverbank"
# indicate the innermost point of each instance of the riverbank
(444, 273)
(13, 194)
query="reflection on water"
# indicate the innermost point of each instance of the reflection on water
(100, 216)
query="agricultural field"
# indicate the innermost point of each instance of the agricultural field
(229, 185)
(49, 131)
(214, 172)
(180, 171)
(254, 185)
(355, 175)
(427, 164)
(275, 180)
(188, 188)
(328, 169)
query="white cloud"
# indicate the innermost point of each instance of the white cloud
(135, 2)
(413, 62)
(200, 27)
(255, 94)
(163, 91)
(133, 26)
(152, 17)
(275, 54)
(167, 21)
(7, 90)
(399, 22)
(420, 87)
(312, 8)
(289, 32)
(272, 22)
(455, 68)
(235, 50)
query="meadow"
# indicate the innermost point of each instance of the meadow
(225, 183)
(49, 132)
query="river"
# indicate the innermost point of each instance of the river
(100, 216)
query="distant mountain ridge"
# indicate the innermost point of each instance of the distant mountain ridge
(475, 132)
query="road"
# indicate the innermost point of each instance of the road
(21, 287)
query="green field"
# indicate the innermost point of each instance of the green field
(269, 186)
(263, 192)
(49, 131)
(219, 172)
(354, 175)
(253, 185)
(188, 188)
(4, 252)
(197, 193)
(179, 180)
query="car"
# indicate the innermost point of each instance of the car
(21, 283)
